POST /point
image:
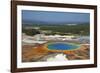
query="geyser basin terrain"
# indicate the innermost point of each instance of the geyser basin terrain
(61, 46)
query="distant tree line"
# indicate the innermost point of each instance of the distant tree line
(66, 29)
(80, 29)
(30, 32)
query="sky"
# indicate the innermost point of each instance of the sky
(54, 17)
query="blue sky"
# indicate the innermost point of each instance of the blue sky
(54, 17)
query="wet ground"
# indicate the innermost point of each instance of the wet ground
(41, 53)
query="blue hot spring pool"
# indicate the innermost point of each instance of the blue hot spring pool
(62, 46)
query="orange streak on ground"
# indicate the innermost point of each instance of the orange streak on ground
(35, 52)
(41, 50)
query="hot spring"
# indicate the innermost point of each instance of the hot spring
(62, 46)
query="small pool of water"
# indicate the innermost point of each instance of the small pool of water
(62, 46)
